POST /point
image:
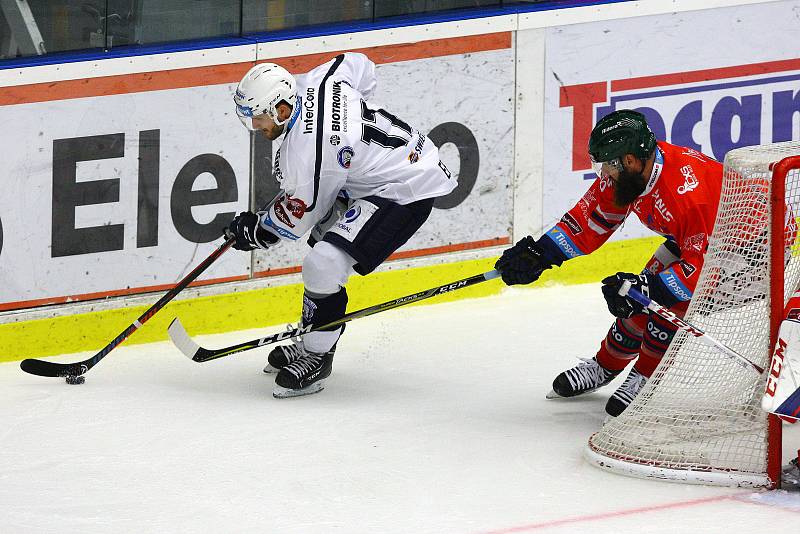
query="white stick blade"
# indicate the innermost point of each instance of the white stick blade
(180, 338)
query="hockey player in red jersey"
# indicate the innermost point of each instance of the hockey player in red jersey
(675, 192)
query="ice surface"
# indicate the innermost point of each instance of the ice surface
(434, 421)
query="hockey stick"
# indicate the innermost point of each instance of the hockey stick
(73, 370)
(187, 345)
(666, 314)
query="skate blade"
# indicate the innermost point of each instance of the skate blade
(554, 395)
(270, 370)
(284, 393)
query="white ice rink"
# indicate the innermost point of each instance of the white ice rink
(434, 421)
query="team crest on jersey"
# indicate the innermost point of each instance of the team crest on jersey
(335, 139)
(345, 156)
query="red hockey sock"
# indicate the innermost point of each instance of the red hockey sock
(613, 362)
(647, 363)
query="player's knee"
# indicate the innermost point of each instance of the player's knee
(624, 337)
(326, 269)
(658, 335)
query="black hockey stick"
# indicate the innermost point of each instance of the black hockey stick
(187, 345)
(73, 370)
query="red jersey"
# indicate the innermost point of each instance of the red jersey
(679, 202)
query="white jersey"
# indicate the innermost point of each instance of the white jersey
(336, 141)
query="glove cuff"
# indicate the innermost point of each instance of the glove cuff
(264, 238)
(549, 252)
(659, 291)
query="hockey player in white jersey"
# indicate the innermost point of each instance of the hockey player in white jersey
(358, 178)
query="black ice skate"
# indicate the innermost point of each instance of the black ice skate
(283, 355)
(625, 393)
(585, 377)
(304, 376)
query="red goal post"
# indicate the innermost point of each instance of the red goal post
(698, 419)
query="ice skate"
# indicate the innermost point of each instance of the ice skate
(625, 394)
(283, 355)
(790, 476)
(585, 377)
(304, 376)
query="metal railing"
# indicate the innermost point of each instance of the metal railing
(30, 28)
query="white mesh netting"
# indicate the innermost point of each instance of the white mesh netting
(698, 418)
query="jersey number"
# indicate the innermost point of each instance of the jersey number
(370, 132)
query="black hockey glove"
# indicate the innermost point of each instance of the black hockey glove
(523, 263)
(248, 233)
(648, 284)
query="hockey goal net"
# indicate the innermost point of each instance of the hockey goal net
(698, 419)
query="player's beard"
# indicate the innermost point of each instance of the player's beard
(274, 133)
(628, 187)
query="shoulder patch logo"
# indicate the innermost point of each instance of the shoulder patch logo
(296, 206)
(572, 224)
(345, 156)
(695, 241)
(687, 268)
(280, 213)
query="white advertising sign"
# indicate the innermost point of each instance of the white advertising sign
(115, 192)
(704, 80)
(121, 193)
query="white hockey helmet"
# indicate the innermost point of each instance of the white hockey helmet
(261, 90)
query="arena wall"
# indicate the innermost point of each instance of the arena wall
(121, 172)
